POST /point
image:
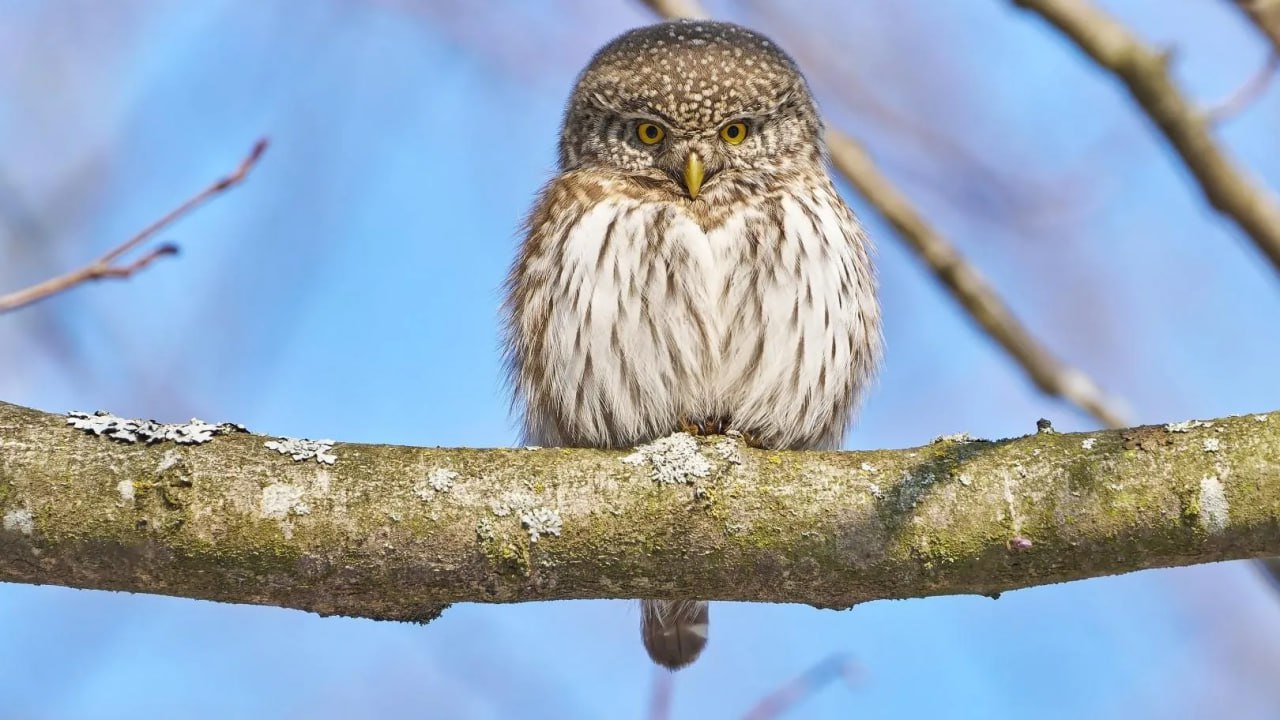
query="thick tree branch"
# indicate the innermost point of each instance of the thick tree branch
(393, 532)
(957, 275)
(109, 265)
(1145, 73)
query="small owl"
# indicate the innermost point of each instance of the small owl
(691, 267)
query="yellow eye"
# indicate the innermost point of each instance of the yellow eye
(734, 133)
(649, 133)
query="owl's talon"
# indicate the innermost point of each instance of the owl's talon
(702, 428)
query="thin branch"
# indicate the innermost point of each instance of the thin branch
(392, 532)
(957, 275)
(108, 266)
(1145, 73)
(1247, 94)
(967, 286)
(778, 702)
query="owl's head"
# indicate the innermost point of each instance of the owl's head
(697, 109)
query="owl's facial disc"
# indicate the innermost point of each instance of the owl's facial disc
(705, 111)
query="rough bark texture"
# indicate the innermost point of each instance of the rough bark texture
(395, 532)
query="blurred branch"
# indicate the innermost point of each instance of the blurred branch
(109, 265)
(1266, 15)
(800, 688)
(968, 287)
(956, 274)
(974, 183)
(392, 532)
(1248, 93)
(678, 9)
(1145, 73)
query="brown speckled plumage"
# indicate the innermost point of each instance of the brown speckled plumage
(640, 303)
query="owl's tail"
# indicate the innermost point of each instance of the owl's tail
(674, 631)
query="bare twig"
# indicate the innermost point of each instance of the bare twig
(1247, 94)
(802, 686)
(1265, 14)
(108, 266)
(960, 278)
(1145, 73)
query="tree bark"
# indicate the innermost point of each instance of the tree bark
(396, 532)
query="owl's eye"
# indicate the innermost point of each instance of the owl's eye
(649, 133)
(734, 133)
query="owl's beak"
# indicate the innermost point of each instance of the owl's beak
(693, 174)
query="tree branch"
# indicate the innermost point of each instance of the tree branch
(108, 266)
(393, 532)
(1145, 73)
(1265, 14)
(957, 275)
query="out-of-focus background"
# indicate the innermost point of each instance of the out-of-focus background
(350, 288)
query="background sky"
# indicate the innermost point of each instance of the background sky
(350, 289)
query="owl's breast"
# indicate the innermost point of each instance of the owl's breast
(634, 317)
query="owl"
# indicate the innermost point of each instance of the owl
(690, 267)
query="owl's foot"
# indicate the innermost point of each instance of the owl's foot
(717, 426)
(720, 426)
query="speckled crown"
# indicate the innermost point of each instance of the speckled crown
(693, 74)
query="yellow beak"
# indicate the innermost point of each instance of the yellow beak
(693, 175)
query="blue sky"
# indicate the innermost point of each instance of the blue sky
(350, 288)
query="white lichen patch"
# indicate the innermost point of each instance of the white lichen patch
(532, 447)
(1088, 443)
(21, 521)
(868, 467)
(960, 437)
(303, 449)
(966, 480)
(672, 460)
(280, 500)
(1212, 445)
(534, 518)
(439, 480)
(1214, 508)
(727, 450)
(484, 530)
(540, 521)
(1260, 418)
(513, 501)
(1187, 426)
(876, 492)
(104, 424)
(126, 490)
